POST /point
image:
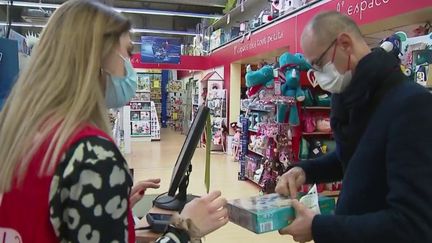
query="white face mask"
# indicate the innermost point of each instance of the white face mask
(331, 80)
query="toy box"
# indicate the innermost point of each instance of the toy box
(269, 212)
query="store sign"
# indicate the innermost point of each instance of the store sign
(359, 8)
(239, 49)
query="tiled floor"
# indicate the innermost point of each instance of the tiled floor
(157, 159)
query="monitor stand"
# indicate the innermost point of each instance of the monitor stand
(177, 202)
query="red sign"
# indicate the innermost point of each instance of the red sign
(362, 11)
(286, 33)
(186, 63)
(246, 45)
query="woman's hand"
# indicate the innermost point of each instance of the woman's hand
(207, 213)
(138, 190)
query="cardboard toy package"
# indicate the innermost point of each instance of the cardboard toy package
(270, 212)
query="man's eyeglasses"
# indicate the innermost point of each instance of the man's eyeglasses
(317, 65)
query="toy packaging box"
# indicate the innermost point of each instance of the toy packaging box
(269, 212)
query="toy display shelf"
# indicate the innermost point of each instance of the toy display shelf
(253, 182)
(317, 133)
(247, 5)
(148, 110)
(256, 152)
(253, 130)
(140, 136)
(317, 107)
(154, 123)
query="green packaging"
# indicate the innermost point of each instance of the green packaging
(270, 212)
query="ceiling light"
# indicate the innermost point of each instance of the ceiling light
(167, 32)
(23, 25)
(151, 31)
(122, 10)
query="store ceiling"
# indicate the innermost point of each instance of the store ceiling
(140, 21)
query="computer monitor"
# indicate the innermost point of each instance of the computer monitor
(180, 176)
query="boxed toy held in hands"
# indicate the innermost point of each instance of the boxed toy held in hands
(272, 212)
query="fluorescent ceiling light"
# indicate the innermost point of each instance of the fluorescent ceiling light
(122, 10)
(23, 25)
(133, 30)
(168, 32)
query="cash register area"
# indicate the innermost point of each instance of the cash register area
(157, 159)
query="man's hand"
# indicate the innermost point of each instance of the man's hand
(138, 190)
(290, 182)
(301, 227)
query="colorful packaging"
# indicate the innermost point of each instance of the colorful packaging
(270, 212)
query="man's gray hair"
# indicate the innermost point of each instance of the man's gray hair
(327, 25)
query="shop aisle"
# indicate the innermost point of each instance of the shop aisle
(157, 159)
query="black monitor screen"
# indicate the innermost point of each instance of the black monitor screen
(188, 149)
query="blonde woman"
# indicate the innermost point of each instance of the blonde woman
(62, 179)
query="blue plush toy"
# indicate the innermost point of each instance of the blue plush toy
(258, 80)
(392, 44)
(291, 65)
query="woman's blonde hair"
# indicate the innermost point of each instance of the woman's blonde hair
(60, 90)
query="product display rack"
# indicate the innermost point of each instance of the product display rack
(155, 125)
(140, 117)
(150, 86)
(120, 132)
(174, 106)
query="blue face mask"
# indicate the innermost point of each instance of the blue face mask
(120, 90)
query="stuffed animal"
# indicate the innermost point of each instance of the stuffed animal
(393, 45)
(290, 66)
(258, 80)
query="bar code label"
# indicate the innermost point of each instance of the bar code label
(267, 226)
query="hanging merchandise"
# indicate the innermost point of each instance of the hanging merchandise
(415, 55)
(216, 100)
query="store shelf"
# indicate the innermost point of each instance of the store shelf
(141, 120)
(330, 193)
(140, 136)
(145, 110)
(253, 182)
(237, 10)
(317, 133)
(253, 130)
(317, 108)
(256, 152)
(260, 109)
(138, 101)
(142, 91)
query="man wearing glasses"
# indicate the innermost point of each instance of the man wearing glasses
(381, 124)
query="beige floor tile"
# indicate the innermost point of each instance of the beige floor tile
(157, 159)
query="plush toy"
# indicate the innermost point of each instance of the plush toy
(258, 173)
(290, 66)
(258, 80)
(393, 45)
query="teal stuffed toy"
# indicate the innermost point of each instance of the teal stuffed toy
(258, 80)
(291, 65)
